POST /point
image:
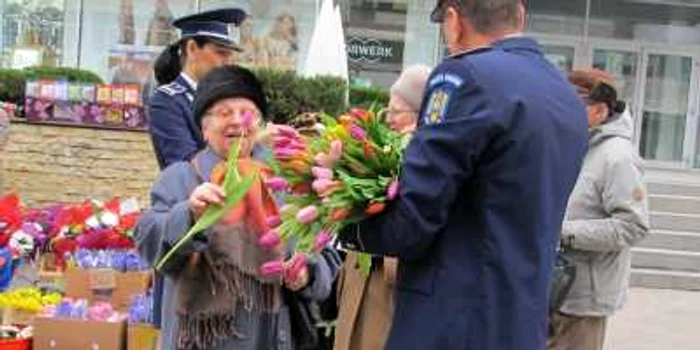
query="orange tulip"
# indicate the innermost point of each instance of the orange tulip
(339, 214)
(375, 208)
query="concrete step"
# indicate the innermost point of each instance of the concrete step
(675, 221)
(674, 204)
(666, 259)
(664, 279)
(672, 240)
(674, 188)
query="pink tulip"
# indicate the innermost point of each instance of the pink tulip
(294, 267)
(288, 131)
(322, 185)
(271, 268)
(324, 160)
(248, 119)
(322, 173)
(269, 240)
(273, 221)
(307, 215)
(322, 239)
(282, 142)
(357, 133)
(277, 184)
(285, 152)
(296, 145)
(336, 149)
(392, 190)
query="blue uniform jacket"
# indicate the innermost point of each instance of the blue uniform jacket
(174, 134)
(483, 190)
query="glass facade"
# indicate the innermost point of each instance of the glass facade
(651, 46)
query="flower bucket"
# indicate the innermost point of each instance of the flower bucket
(16, 344)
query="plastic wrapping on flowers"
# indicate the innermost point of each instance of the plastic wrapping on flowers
(346, 173)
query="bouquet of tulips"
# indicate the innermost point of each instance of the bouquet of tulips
(345, 173)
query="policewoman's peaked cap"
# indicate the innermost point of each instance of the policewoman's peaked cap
(213, 24)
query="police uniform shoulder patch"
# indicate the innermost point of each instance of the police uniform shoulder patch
(172, 89)
(440, 89)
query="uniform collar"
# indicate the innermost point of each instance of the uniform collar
(507, 42)
(517, 42)
(191, 83)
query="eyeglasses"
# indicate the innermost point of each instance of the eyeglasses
(390, 113)
(247, 116)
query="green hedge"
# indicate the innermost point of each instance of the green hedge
(70, 74)
(12, 85)
(366, 97)
(12, 81)
(290, 95)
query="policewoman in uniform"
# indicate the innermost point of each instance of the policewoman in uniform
(483, 190)
(204, 44)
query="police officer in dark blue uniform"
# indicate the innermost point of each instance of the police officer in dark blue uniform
(204, 44)
(483, 189)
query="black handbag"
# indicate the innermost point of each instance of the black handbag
(303, 319)
(309, 319)
(562, 280)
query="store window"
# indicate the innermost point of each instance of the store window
(374, 34)
(560, 27)
(31, 33)
(276, 34)
(652, 48)
(120, 39)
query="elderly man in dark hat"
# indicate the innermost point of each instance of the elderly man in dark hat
(216, 296)
(204, 45)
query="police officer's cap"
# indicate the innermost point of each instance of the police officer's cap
(212, 24)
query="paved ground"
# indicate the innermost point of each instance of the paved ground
(656, 319)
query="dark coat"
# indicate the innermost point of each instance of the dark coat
(483, 190)
(174, 133)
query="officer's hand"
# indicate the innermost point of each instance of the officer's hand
(300, 280)
(204, 195)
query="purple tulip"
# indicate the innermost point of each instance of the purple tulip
(277, 184)
(322, 239)
(271, 268)
(357, 133)
(392, 190)
(322, 173)
(273, 221)
(307, 215)
(269, 240)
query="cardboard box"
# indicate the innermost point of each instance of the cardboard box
(58, 334)
(116, 288)
(142, 337)
(13, 316)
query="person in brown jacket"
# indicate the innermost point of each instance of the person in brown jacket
(366, 303)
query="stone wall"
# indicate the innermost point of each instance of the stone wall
(48, 164)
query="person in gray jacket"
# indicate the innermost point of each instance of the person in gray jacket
(606, 215)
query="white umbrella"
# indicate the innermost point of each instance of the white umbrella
(327, 54)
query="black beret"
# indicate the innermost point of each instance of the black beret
(227, 82)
